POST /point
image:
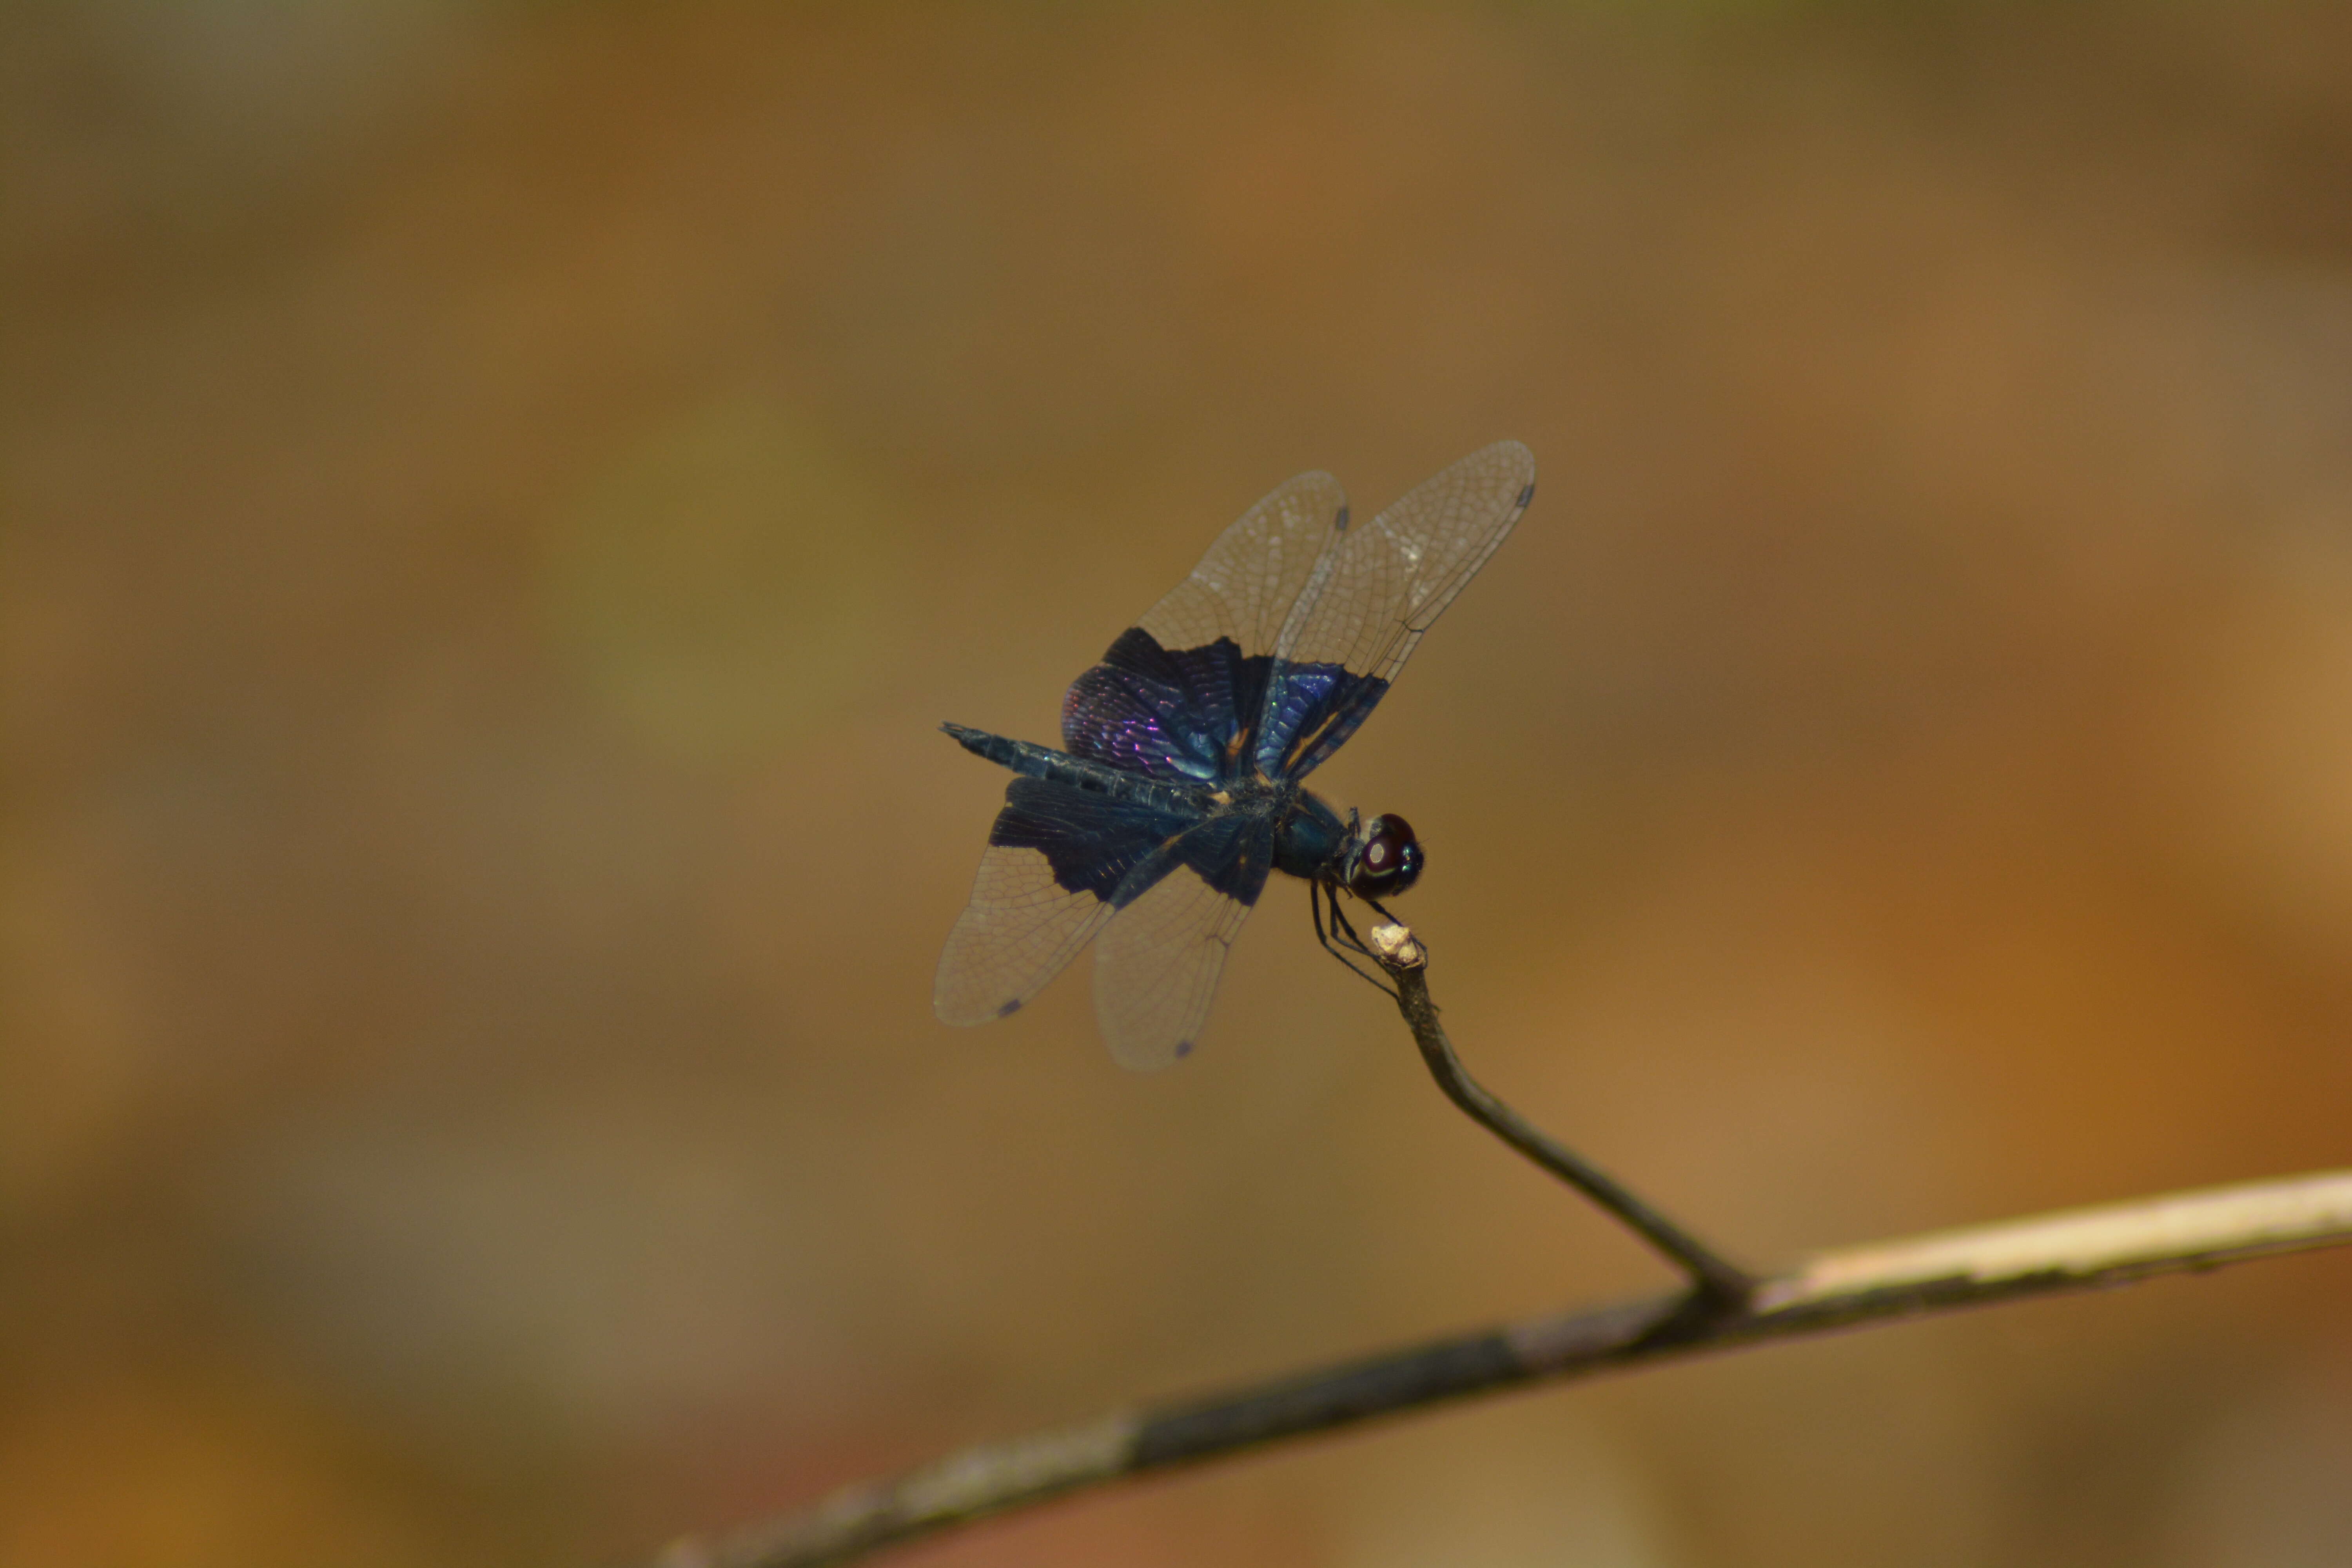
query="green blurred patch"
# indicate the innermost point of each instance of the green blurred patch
(721, 582)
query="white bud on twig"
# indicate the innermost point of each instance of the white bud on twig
(1395, 945)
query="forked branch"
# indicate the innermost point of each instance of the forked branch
(2076, 1250)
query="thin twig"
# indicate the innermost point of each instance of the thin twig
(1719, 1284)
(2077, 1250)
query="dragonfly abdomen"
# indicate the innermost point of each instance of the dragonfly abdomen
(1036, 761)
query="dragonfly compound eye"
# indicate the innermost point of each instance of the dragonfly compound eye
(1391, 859)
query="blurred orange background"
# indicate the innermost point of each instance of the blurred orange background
(500, 496)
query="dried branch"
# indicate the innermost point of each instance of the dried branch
(1724, 1308)
(2076, 1250)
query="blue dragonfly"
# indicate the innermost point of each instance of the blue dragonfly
(1180, 783)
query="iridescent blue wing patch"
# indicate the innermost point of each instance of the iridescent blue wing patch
(1170, 713)
(1057, 859)
(1179, 696)
(1383, 585)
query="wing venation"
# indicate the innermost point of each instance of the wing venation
(1244, 587)
(1179, 690)
(1056, 858)
(1385, 583)
(1157, 967)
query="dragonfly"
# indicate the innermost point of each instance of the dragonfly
(1180, 784)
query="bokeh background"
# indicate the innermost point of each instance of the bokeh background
(498, 497)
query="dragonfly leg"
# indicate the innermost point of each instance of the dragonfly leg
(1334, 944)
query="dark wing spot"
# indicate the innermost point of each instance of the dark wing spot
(1528, 494)
(1008, 1009)
(1184, 1048)
(1340, 524)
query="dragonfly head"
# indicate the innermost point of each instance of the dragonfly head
(1387, 860)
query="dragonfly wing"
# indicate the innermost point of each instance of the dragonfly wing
(1155, 969)
(1385, 583)
(1177, 690)
(1056, 858)
(1244, 587)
